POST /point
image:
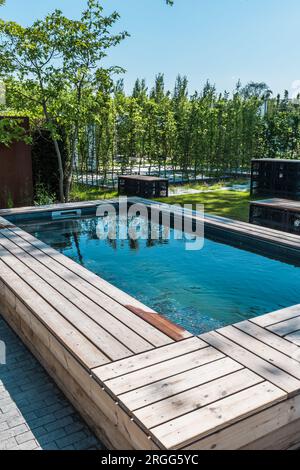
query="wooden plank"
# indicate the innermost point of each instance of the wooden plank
(183, 430)
(109, 422)
(255, 428)
(255, 363)
(269, 338)
(72, 390)
(274, 236)
(108, 289)
(34, 331)
(294, 338)
(53, 207)
(150, 333)
(149, 358)
(88, 355)
(169, 386)
(113, 326)
(259, 231)
(287, 327)
(276, 358)
(4, 221)
(176, 332)
(151, 374)
(196, 398)
(110, 346)
(104, 286)
(278, 316)
(279, 203)
(285, 438)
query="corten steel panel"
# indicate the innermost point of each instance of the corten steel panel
(16, 187)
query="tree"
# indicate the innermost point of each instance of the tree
(55, 64)
(257, 90)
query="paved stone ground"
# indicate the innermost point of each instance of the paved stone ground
(34, 414)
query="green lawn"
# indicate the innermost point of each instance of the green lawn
(232, 204)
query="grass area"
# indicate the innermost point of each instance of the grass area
(232, 204)
(82, 192)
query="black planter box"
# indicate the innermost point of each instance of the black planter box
(143, 186)
(275, 178)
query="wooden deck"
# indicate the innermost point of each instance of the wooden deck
(140, 381)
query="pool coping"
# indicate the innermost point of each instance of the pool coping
(93, 394)
(244, 228)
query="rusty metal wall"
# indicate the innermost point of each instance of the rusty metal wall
(16, 189)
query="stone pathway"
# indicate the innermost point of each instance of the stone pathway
(34, 414)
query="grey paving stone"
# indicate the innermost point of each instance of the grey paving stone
(89, 443)
(79, 426)
(34, 414)
(4, 426)
(71, 439)
(51, 446)
(66, 411)
(54, 436)
(9, 414)
(15, 421)
(8, 444)
(60, 423)
(29, 445)
(25, 437)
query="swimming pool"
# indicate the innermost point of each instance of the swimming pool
(200, 290)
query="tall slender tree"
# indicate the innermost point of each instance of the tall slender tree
(58, 57)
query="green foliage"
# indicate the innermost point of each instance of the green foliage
(9, 201)
(12, 130)
(82, 192)
(42, 196)
(206, 132)
(54, 66)
(53, 74)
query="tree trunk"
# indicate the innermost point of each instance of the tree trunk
(58, 154)
(73, 157)
(70, 175)
(61, 171)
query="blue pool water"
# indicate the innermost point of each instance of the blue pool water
(200, 290)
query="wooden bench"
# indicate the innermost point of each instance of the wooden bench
(140, 381)
(74, 321)
(213, 392)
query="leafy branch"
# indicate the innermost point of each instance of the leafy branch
(11, 130)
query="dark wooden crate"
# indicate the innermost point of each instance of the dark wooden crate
(275, 178)
(278, 214)
(143, 186)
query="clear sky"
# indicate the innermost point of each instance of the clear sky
(219, 40)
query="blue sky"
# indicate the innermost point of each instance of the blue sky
(219, 40)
